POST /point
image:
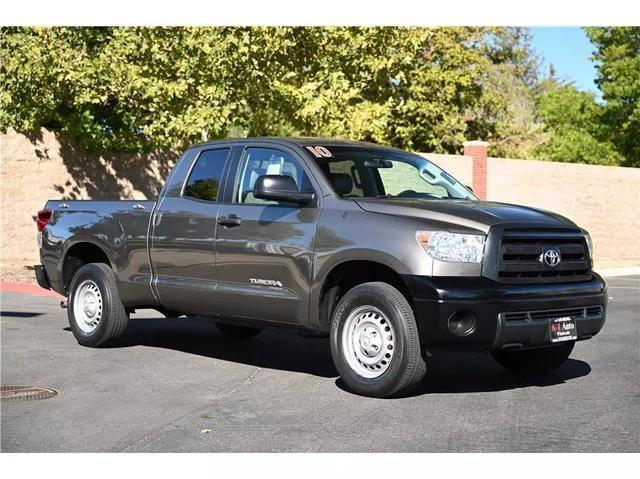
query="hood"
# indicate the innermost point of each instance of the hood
(480, 215)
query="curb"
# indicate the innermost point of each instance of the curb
(25, 288)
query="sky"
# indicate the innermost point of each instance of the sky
(568, 49)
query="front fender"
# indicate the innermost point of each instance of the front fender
(347, 233)
(329, 262)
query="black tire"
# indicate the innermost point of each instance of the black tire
(534, 360)
(234, 331)
(406, 368)
(114, 318)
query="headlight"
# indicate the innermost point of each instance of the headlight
(587, 238)
(452, 247)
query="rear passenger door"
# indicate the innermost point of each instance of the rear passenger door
(263, 248)
(182, 238)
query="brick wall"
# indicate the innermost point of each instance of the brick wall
(477, 150)
(604, 200)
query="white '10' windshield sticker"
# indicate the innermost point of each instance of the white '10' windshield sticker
(319, 151)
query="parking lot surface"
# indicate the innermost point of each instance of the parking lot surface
(176, 385)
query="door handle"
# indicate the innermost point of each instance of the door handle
(230, 221)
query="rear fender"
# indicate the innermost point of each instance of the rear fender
(72, 228)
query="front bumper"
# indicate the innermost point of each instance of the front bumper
(437, 299)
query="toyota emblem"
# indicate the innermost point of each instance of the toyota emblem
(551, 257)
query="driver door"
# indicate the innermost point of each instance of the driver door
(264, 248)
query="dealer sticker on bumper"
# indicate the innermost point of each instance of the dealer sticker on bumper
(563, 329)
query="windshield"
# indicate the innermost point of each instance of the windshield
(357, 172)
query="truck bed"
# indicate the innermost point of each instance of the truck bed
(119, 227)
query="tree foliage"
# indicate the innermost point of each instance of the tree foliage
(617, 58)
(139, 88)
(578, 127)
(429, 89)
(572, 122)
(511, 86)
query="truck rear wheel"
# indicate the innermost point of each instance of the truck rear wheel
(237, 332)
(374, 341)
(534, 360)
(95, 311)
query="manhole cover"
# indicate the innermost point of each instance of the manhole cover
(26, 393)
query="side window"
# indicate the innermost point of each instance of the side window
(257, 162)
(206, 175)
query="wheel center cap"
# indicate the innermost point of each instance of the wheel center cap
(90, 305)
(370, 343)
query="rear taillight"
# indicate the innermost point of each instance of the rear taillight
(44, 216)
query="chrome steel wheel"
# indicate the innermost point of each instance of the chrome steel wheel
(87, 306)
(368, 341)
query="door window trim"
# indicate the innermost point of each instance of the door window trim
(283, 149)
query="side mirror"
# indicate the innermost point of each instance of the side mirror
(280, 188)
(469, 188)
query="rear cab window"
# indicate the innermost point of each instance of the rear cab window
(205, 178)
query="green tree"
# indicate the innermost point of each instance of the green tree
(617, 58)
(577, 127)
(513, 47)
(510, 86)
(134, 89)
(44, 71)
(408, 87)
(572, 120)
(126, 89)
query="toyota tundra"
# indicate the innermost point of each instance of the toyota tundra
(379, 249)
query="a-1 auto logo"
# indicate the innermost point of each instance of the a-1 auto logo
(562, 327)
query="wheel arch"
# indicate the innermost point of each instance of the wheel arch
(346, 274)
(78, 253)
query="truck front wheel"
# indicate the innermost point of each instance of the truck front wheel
(374, 341)
(534, 360)
(95, 311)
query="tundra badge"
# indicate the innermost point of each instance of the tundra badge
(266, 282)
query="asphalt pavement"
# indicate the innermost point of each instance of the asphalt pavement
(175, 385)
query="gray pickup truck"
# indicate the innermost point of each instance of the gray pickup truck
(379, 248)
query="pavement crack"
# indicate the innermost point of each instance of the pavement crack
(144, 438)
(244, 383)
